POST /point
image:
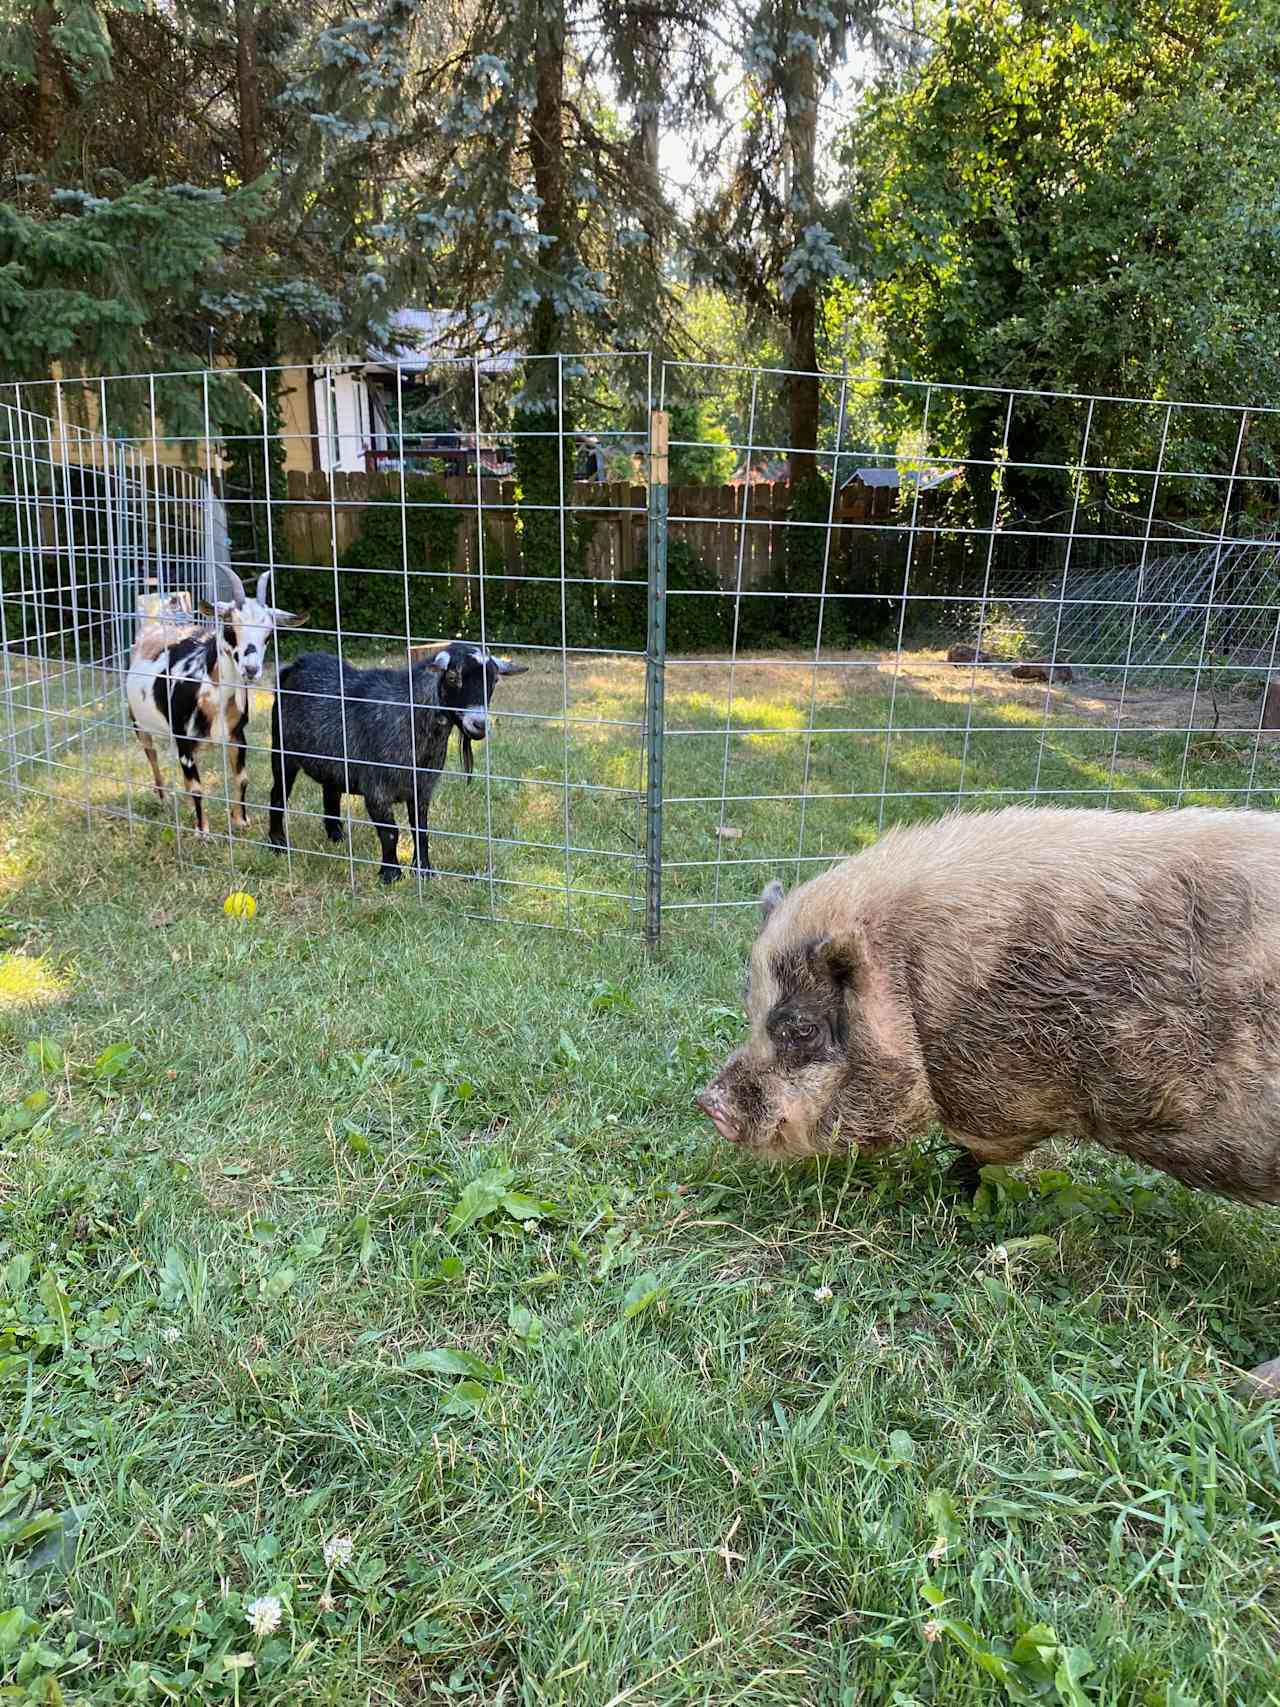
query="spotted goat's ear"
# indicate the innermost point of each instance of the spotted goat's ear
(769, 900)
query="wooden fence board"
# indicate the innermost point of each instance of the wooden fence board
(725, 526)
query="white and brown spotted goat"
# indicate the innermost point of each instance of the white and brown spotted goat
(192, 682)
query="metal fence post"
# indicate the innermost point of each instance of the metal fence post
(655, 677)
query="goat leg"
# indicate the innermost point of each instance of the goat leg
(237, 753)
(332, 811)
(421, 806)
(284, 773)
(149, 748)
(191, 780)
(382, 815)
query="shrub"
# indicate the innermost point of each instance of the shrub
(701, 454)
(374, 603)
(699, 624)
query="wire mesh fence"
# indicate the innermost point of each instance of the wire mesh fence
(648, 661)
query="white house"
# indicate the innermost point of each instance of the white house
(352, 401)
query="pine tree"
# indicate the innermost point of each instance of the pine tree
(770, 228)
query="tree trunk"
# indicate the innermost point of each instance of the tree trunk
(646, 141)
(51, 94)
(801, 98)
(546, 154)
(249, 93)
(540, 460)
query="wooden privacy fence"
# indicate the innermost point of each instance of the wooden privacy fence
(708, 519)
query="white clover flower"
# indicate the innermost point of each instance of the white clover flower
(339, 1550)
(939, 1549)
(172, 1335)
(932, 1630)
(264, 1614)
(997, 1254)
(822, 1294)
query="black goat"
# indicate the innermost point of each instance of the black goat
(382, 734)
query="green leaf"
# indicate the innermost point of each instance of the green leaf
(525, 1325)
(45, 1055)
(16, 1273)
(465, 1400)
(114, 1060)
(1035, 1651)
(902, 1449)
(57, 1304)
(449, 1361)
(57, 1533)
(569, 1049)
(522, 1208)
(943, 1515)
(479, 1199)
(1033, 1242)
(279, 1283)
(362, 1229)
(175, 1278)
(644, 1290)
(15, 1627)
(310, 1245)
(1075, 1663)
(356, 1137)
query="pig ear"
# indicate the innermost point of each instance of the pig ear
(840, 961)
(772, 894)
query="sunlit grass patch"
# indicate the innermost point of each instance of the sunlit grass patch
(26, 979)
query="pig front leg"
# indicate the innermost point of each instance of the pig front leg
(965, 1172)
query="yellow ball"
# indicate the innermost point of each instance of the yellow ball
(239, 905)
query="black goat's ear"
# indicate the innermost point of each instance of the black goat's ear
(441, 661)
(507, 668)
(769, 899)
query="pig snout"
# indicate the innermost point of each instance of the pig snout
(709, 1102)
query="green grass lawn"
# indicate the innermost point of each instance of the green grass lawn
(771, 767)
(368, 1222)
